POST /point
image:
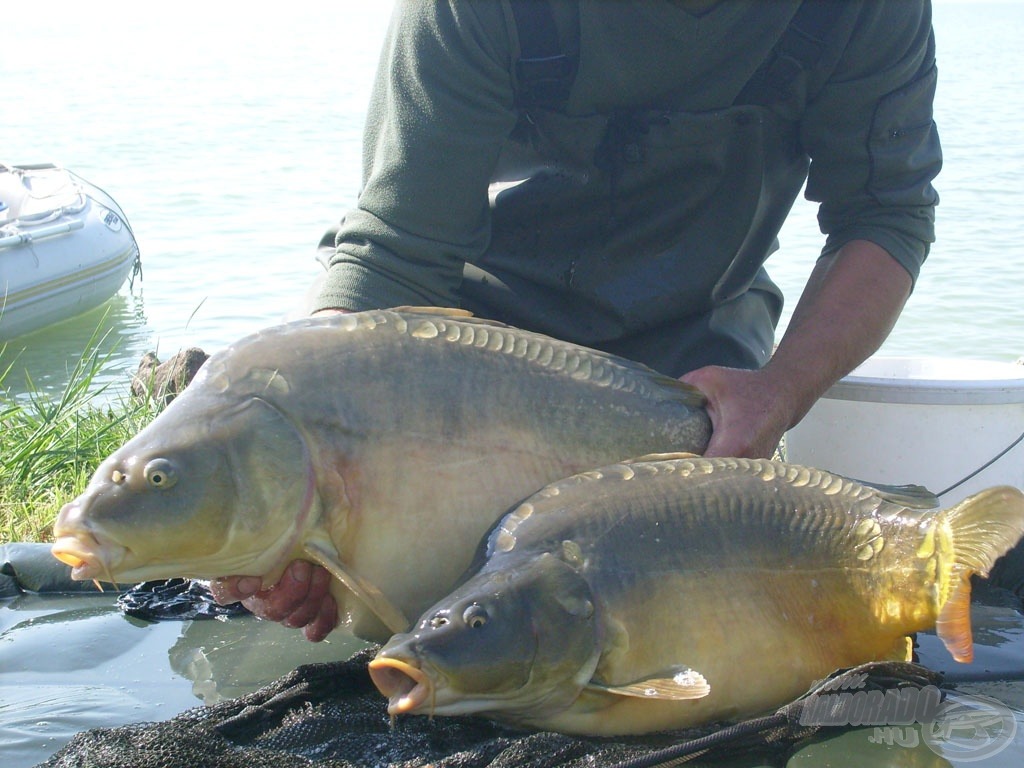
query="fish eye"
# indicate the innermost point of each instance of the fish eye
(160, 474)
(475, 616)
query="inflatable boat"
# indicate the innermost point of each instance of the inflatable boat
(65, 247)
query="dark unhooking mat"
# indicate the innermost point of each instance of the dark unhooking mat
(330, 716)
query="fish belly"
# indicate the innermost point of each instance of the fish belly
(416, 525)
(431, 470)
(760, 639)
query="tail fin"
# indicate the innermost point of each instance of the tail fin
(984, 527)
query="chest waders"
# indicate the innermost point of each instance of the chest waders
(601, 236)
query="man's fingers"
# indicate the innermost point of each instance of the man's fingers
(301, 598)
(285, 597)
(325, 622)
(233, 589)
(318, 582)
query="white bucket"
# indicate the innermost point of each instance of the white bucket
(922, 421)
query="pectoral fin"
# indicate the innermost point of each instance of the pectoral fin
(368, 593)
(676, 684)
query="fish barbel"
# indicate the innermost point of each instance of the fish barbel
(667, 593)
(379, 444)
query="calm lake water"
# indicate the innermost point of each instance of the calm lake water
(232, 140)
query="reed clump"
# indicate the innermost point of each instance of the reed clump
(50, 446)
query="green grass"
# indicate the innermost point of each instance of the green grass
(50, 446)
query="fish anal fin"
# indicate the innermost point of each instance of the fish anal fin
(953, 625)
(368, 593)
(677, 685)
(902, 650)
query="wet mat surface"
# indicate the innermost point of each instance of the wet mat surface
(71, 663)
(75, 662)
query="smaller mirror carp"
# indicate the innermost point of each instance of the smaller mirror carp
(671, 592)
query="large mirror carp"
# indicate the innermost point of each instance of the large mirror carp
(380, 444)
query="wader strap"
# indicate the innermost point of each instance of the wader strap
(799, 49)
(544, 71)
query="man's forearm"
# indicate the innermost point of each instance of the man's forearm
(846, 311)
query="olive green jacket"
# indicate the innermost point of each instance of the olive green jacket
(668, 242)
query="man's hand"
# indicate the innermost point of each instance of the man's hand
(848, 307)
(300, 599)
(749, 411)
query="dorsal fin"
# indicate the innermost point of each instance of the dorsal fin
(662, 457)
(911, 496)
(438, 311)
(686, 394)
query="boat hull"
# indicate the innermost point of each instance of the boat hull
(65, 248)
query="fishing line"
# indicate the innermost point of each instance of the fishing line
(984, 466)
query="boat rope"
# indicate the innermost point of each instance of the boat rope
(685, 751)
(110, 203)
(823, 706)
(984, 466)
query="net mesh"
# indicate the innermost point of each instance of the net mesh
(331, 716)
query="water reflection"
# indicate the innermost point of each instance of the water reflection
(232, 657)
(116, 670)
(43, 362)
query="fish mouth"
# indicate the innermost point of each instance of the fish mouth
(89, 560)
(406, 687)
